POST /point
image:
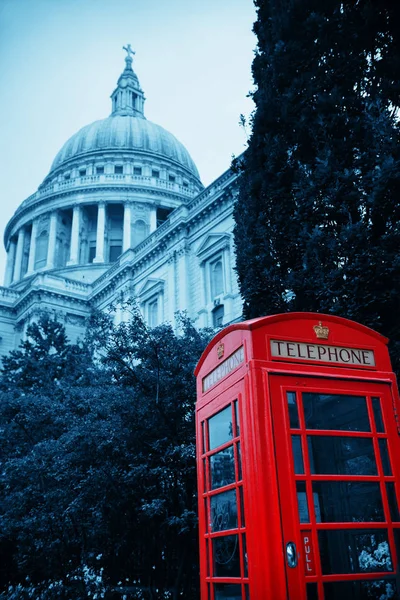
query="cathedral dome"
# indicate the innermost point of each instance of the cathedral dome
(125, 133)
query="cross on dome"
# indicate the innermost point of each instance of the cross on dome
(128, 50)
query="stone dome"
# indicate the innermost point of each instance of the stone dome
(125, 133)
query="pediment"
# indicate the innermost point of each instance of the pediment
(151, 287)
(213, 243)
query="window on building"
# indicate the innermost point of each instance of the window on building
(137, 170)
(67, 176)
(185, 184)
(152, 312)
(162, 215)
(218, 315)
(155, 173)
(118, 169)
(82, 172)
(99, 170)
(92, 252)
(216, 278)
(115, 251)
(42, 242)
(139, 232)
(172, 178)
(134, 100)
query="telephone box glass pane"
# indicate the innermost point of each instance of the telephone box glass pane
(312, 591)
(220, 428)
(297, 455)
(338, 455)
(385, 457)
(393, 506)
(244, 550)
(367, 589)
(354, 551)
(302, 502)
(224, 511)
(243, 522)
(293, 410)
(227, 591)
(237, 419)
(347, 501)
(376, 405)
(335, 411)
(226, 556)
(222, 468)
(239, 458)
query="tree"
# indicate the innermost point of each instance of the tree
(97, 468)
(317, 219)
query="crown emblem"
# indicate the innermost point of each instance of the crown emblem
(220, 350)
(321, 331)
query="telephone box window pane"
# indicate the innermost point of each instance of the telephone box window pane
(293, 410)
(220, 427)
(393, 506)
(224, 511)
(227, 591)
(246, 592)
(245, 561)
(203, 436)
(354, 551)
(297, 455)
(385, 457)
(206, 513)
(335, 411)
(338, 455)
(205, 474)
(208, 557)
(347, 501)
(222, 467)
(243, 522)
(208, 592)
(312, 591)
(237, 417)
(367, 589)
(376, 406)
(239, 457)
(302, 502)
(226, 556)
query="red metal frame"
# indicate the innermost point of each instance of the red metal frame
(257, 382)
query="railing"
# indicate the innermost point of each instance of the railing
(112, 178)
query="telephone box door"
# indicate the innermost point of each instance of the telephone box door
(339, 487)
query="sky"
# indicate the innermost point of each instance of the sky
(60, 61)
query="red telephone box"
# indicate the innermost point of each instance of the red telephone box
(298, 454)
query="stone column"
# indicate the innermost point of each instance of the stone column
(74, 249)
(101, 230)
(8, 278)
(171, 287)
(183, 283)
(19, 254)
(32, 250)
(51, 250)
(127, 235)
(153, 219)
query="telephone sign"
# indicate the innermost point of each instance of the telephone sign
(298, 457)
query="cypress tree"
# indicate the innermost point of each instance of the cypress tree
(317, 218)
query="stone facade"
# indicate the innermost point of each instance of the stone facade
(121, 214)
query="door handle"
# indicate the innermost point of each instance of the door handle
(291, 555)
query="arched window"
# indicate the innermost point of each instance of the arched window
(217, 279)
(218, 316)
(152, 310)
(42, 242)
(140, 232)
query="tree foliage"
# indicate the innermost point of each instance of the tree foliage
(97, 467)
(318, 215)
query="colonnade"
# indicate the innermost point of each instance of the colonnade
(17, 245)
